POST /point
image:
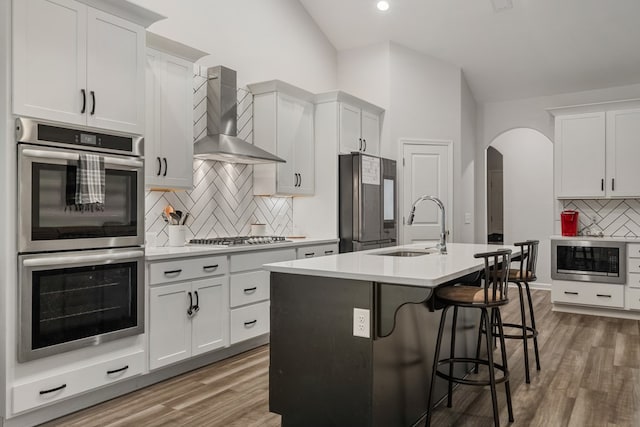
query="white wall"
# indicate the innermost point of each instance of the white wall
(261, 40)
(528, 191)
(466, 199)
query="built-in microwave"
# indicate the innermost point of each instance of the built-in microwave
(588, 261)
(48, 156)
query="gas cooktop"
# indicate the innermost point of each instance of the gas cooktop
(238, 240)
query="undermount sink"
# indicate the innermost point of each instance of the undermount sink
(409, 253)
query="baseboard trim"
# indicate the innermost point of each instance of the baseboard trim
(596, 311)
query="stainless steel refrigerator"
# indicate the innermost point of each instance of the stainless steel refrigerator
(368, 202)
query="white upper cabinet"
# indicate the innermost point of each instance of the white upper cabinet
(169, 114)
(596, 152)
(283, 124)
(76, 64)
(623, 153)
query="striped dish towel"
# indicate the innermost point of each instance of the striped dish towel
(90, 183)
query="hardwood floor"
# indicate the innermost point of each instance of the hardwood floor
(590, 377)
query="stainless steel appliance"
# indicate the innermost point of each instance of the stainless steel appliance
(70, 300)
(48, 156)
(238, 240)
(368, 202)
(589, 261)
(80, 267)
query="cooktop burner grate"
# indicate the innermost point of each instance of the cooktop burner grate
(238, 240)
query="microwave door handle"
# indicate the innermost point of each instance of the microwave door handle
(60, 155)
(80, 259)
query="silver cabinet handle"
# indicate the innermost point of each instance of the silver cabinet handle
(63, 155)
(78, 259)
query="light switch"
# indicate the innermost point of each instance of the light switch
(467, 218)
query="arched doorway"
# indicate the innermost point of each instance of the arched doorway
(527, 190)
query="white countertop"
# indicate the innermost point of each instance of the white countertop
(426, 270)
(169, 252)
(604, 238)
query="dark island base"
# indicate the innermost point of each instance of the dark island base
(321, 375)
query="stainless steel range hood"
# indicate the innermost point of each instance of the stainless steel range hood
(221, 142)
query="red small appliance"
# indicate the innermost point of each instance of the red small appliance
(569, 222)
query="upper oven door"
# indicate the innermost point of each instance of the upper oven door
(47, 217)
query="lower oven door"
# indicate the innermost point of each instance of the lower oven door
(49, 219)
(77, 299)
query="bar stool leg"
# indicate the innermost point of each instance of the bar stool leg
(533, 326)
(507, 387)
(436, 357)
(452, 355)
(475, 370)
(523, 319)
(492, 374)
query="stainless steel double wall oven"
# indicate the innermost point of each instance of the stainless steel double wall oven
(81, 271)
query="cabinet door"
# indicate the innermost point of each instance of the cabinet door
(210, 324)
(169, 324)
(115, 73)
(579, 156)
(349, 128)
(623, 152)
(371, 133)
(304, 158)
(289, 118)
(152, 151)
(49, 59)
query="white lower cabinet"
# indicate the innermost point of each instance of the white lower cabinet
(588, 293)
(316, 251)
(43, 391)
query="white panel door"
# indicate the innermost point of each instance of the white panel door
(289, 116)
(349, 129)
(305, 151)
(495, 201)
(426, 171)
(169, 324)
(152, 142)
(579, 155)
(371, 133)
(623, 153)
(115, 73)
(210, 324)
(49, 59)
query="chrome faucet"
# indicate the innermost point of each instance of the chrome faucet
(442, 246)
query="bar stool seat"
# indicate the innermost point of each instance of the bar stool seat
(488, 298)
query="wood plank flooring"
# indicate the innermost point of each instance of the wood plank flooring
(590, 377)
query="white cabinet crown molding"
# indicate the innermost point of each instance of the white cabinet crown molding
(172, 47)
(282, 87)
(126, 10)
(340, 96)
(622, 104)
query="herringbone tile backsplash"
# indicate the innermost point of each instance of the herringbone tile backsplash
(618, 218)
(222, 201)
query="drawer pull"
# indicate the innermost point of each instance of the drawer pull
(210, 267)
(570, 293)
(328, 252)
(170, 272)
(250, 324)
(250, 290)
(603, 295)
(309, 254)
(51, 390)
(115, 371)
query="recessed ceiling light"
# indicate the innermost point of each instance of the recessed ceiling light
(383, 5)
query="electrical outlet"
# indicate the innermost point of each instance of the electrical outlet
(361, 323)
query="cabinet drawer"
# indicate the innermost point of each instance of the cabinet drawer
(248, 322)
(585, 293)
(255, 260)
(633, 265)
(632, 299)
(633, 280)
(187, 269)
(314, 251)
(57, 387)
(247, 288)
(633, 250)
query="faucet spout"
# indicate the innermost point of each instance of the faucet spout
(442, 246)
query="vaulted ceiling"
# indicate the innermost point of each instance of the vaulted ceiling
(534, 48)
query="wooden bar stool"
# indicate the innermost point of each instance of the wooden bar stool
(521, 277)
(488, 299)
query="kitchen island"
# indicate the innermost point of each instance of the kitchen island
(322, 374)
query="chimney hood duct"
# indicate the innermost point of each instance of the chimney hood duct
(221, 142)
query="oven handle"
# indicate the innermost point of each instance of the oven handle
(29, 152)
(75, 259)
